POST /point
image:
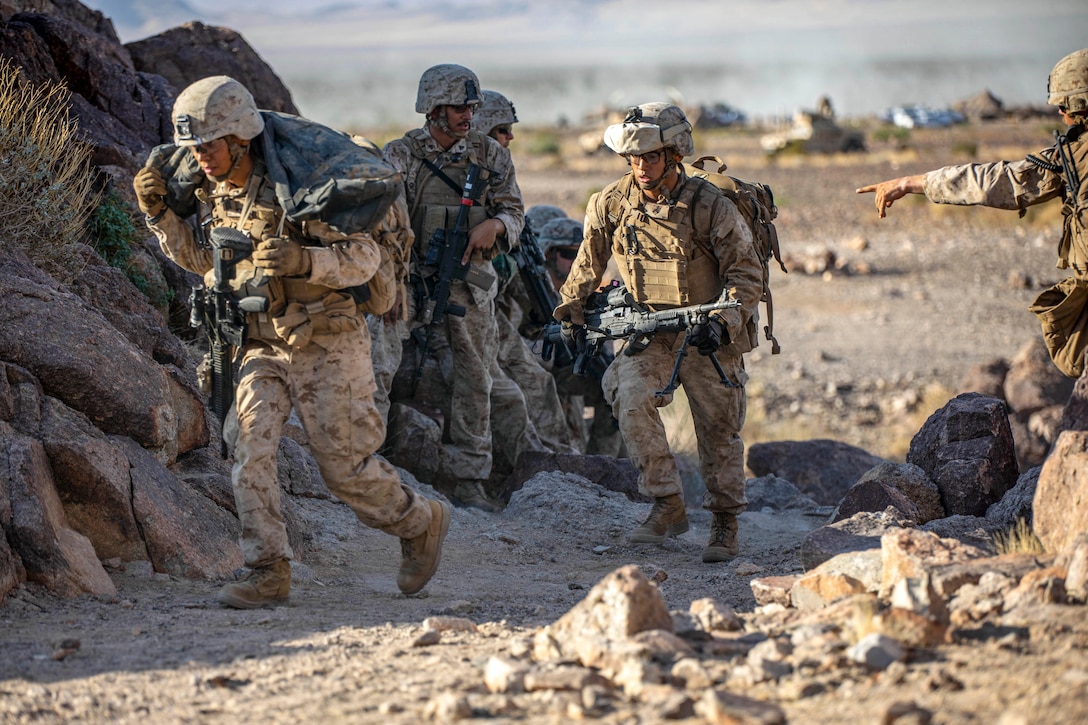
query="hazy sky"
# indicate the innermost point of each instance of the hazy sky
(357, 61)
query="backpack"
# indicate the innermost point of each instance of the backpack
(755, 201)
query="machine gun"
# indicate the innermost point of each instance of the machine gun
(224, 316)
(614, 314)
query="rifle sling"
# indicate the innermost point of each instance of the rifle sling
(437, 171)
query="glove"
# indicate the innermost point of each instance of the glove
(708, 337)
(282, 257)
(150, 190)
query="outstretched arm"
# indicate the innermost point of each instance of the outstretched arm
(887, 192)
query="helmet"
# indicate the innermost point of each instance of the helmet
(1068, 82)
(212, 108)
(495, 110)
(541, 214)
(649, 127)
(446, 85)
(563, 232)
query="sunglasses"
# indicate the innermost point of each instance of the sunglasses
(208, 148)
(506, 130)
(650, 157)
(567, 254)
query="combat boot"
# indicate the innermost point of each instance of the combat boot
(723, 538)
(667, 518)
(262, 587)
(471, 494)
(420, 556)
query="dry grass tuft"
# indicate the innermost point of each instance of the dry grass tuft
(46, 183)
(1020, 539)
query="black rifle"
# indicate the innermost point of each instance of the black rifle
(444, 253)
(224, 316)
(543, 296)
(1069, 168)
(614, 314)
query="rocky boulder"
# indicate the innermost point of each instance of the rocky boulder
(966, 448)
(193, 51)
(1060, 506)
(822, 469)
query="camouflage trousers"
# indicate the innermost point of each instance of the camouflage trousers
(717, 413)
(538, 387)
(330, 384)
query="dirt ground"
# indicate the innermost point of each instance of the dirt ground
(935, 301)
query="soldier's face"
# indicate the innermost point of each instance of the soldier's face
(648, 168)
(459, 118)
(213, 157)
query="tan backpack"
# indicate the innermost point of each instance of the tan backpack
(755, 201)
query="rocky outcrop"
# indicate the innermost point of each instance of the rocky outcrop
(193, 51)
(966, 448)
(822, 469)
(1061, 506)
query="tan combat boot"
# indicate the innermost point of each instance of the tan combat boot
(723, 539)
(471, 494)
(263, 586)
(420, 556)
(667, 518)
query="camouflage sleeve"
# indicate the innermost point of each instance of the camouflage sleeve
(738, 263)
(178, 242)
(504, 199)
(593, 255)
(396, 154)
(1001, 184)
(343, 260)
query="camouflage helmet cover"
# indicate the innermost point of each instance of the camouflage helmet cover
(541, 214)
(212, 108)
(650, 127)
(495, 110)
(563, 232)
(447, 84)
(1067, 86)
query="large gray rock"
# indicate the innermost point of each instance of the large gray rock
(1061, 507)
(777, 494)
(613, 474)
(1017, 502)
(822, 469)
(193, 51)
(117, 107)
(54, 555)
(186, 534)
(82, 360)
(966, 448)
(92, 479)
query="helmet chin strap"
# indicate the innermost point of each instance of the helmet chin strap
(442, 123)
(659, 186)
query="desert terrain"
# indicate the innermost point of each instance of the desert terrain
(870, 347)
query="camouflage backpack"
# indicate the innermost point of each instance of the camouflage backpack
(755, 201)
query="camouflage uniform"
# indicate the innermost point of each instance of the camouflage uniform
(473, 338)
(631, 380)
(1018, 185)
(324, 373)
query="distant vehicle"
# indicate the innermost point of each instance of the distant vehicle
(922, 117)
(814, 133)
(719, 115)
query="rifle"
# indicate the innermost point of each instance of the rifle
(1069, 169)
(224, 316)
(614, 314)
(444, 253)
(543, 296)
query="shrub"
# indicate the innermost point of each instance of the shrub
(46, 182)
